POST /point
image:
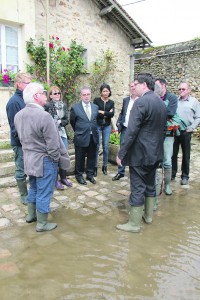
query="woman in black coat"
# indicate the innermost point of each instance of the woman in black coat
(106, 110)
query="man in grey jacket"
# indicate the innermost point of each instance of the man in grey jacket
(42, 149)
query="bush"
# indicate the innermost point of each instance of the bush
(115, 137)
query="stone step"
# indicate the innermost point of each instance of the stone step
(5, 144)
(7, 181)
(6, 155)
(7, 168)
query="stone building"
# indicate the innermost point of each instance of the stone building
(96, 24)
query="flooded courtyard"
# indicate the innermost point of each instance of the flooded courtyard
(85, 257)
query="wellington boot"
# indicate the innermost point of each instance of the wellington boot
(42, 223)
(148, 209)
(31, 217)
(22, 186)
(156, 201)
(135, 217)
(104, 170)
(95, 172)
(167, 181)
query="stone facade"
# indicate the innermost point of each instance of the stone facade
(175, 63)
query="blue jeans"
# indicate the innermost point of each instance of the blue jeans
(105, 130)
(19, 163)
(42, 188)
(121, 169)
(65, 141)
(168, 152)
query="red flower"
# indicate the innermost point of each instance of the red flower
(68, 49)
(51, 45)
(52, 37)
(63, 48)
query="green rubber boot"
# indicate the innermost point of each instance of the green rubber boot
(135, 217)
(167, 181)
(42, 223)
(31, 217)
(158, 188)
(22, 190)
(148, 209)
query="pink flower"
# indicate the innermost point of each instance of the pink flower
(51, 45)
(52, 37)
(68, 49)
(57, 38)
(63, 48)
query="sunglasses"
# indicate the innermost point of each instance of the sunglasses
(181, 89)
(56, 94)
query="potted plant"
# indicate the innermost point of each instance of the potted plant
(114, 145)
(7, 77)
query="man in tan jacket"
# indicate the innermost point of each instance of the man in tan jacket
(42, 149)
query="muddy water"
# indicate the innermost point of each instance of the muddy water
(87, 258)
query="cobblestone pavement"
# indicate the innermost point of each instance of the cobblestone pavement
(100, 198)
(86, 200)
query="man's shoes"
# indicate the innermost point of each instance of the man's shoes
(184, 181)
(81, 181)
(91, 179)
(117, 177)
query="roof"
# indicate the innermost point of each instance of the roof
(114, 11)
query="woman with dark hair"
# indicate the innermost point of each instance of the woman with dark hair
(106, 110)
(58, 110)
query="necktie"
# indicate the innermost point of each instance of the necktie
(87, 110)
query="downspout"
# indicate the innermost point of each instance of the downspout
(47, 38)
(132, 65)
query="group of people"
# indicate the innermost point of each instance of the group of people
(39, 140)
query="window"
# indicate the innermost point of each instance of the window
(9, 47)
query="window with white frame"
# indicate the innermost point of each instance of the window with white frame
(9, 47)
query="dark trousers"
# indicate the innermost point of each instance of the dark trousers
(184, 139)
(121, 169)
(81, 153)
(142, 181)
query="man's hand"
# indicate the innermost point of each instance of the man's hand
(119, 162)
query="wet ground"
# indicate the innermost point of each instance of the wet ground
(85, 257)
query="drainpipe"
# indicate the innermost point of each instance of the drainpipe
(47, 38)
(132, 65)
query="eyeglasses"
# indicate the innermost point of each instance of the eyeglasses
(56, 94)
(43, 93)
(182, 89)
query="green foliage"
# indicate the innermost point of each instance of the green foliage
(100, 71)
(65, 64)
(115, 137)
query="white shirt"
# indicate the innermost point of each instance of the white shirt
(130, 105)
(89, 106)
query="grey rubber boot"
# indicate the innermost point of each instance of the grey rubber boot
(31, 217)
(22, 186)
(167, 181)
(158, 188)
(135, 217)
(42, 223)
(148, 209)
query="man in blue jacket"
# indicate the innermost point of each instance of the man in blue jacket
(15, 104)
(171, 101)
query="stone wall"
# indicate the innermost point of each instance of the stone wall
(80, 20)
(175, 63)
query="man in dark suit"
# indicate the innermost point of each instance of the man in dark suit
(83, 119)
(142, 150)
(122, 123)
